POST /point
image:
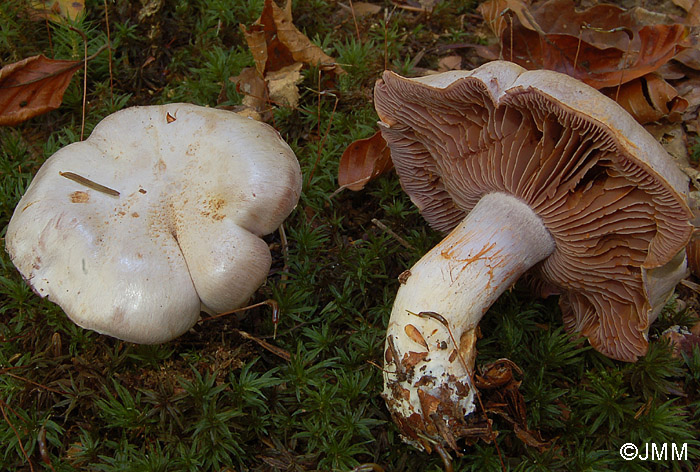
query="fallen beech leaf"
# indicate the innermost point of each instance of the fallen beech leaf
(602, 46)
(275, 42)
(648, 98)
(56, 10)
(362, 161)
(33, 86)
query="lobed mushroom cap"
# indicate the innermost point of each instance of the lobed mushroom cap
(197, 187)
(611, 197)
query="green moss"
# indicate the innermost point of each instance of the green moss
(214, 400)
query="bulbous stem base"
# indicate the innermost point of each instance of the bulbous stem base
(429, 351)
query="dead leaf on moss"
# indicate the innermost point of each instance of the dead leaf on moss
(363, 161)
(681, 340)
(56, 10)
(362, 9)
(33, 86)
(500, 393)
(449, 63)
(252, 86)
(531, 438)
(282, 85)
(275, 42)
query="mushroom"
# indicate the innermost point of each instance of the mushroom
(530, 171)
(156, 216)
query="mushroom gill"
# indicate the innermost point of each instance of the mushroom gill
(610, 216)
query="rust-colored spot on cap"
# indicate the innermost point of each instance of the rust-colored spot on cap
(79, 197)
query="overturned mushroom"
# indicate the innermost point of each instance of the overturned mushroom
(157, 215)
(529, 171)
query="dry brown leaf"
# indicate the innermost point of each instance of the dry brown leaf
(531, 438)
(56, 10)
(649, 98)
(282, 85)
(695, 329)
(449, 63)
(33, 86)
(684, 4)
(689, 89)
(602, 46)
(673, 139)
(692, 7)
(362, 161)
(495, 14)
(275, 42)
(252, 86)
(681, 340)
(364, 9)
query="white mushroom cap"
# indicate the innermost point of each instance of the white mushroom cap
(197, 187)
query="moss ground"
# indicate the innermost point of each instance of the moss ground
(214, 400)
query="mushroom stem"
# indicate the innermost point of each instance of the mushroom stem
(430, 347)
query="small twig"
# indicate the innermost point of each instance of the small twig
(19, 439)
(578, 48)
(354, 19)
(109, 42)
(85, 61)
(48, 33)
(691, 285)
(36, 384)
(285, 255)
(622, 70)
(278, 351)
(368, 467)
(401, 240)
(387, 16)
(328, 128)
(270, 302)
(410, 8)
(510, 18)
